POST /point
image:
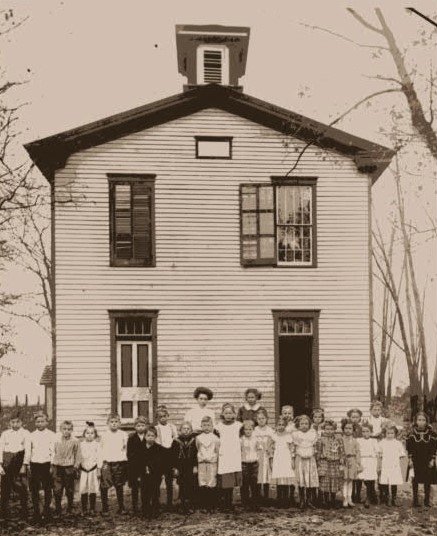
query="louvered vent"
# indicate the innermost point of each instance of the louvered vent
(212, 65)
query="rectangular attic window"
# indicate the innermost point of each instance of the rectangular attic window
(214, 147)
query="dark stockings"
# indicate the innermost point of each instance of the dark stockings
(427, 491)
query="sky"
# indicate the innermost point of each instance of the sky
(85, 60)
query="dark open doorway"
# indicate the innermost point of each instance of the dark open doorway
(295, 373)
(297, 360)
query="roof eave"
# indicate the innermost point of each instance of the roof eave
(51, 153)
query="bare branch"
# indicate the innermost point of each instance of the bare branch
(335, 121)
(364, 22)
(344, 37)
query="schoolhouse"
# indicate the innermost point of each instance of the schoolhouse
(209, 238)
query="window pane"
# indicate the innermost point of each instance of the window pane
(285, 204)
(249, 249)
(143, 365)
(248, 198)
(266, 223)
(143, 408)
(267, 247)
(126, 365)
(127, 410)
(249, 223)
(266, 198)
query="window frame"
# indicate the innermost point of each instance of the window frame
(213, 138)
(200, 68)
(283, 181)
(130, 178)
(115, 315)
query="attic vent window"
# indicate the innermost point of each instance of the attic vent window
(214, 147)
(212, 64)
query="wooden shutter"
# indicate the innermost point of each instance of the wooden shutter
(141, 222)
(132, 226)
(257, 221)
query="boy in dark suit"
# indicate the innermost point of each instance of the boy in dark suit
(136, 461)
(152, 475)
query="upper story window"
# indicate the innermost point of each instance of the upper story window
(278, 226)
(131, 207)
(213, 64)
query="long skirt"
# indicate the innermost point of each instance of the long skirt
(306, 472)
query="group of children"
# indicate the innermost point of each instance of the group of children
(210, 459)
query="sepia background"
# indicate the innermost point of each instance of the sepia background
(75, 62)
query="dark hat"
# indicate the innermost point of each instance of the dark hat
(203, 391)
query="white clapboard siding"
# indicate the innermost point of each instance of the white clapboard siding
(215, 324)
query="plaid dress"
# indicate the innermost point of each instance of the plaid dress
(330, 456)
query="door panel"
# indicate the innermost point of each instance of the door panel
(134, 380)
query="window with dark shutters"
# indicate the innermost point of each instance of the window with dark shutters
(132, 225)
(278, 223)
(257, 224)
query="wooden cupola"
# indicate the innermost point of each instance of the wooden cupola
(212, 54)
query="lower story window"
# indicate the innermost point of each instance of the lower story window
(133, 365)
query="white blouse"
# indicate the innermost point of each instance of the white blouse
(196, 414)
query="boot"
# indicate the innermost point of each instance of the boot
(427, 494)
(58, 507)
(415, 495)
(84, 503)
(70, 503)
(135, 501)
(104, 496)
(92, 498)
(325, 502)
(332, 502)
(394, 492)
(358, 484)
(312, 498)
(302, 498)
(292, 501)
(120, 500)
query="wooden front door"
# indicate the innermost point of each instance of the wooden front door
(134, 375)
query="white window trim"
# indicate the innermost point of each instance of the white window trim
(135, 394)
(225, 62)
(310, 225)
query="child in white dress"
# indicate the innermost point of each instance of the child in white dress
(89, 463)
(305, 439)
(368, 446)
(391, 451)
(229, 463)
(264, 433)
(282, 467)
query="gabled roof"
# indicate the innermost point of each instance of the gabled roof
(52, 152)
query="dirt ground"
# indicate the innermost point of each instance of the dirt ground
(378, 520)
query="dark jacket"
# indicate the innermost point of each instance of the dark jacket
(143, 461)
(185, 453)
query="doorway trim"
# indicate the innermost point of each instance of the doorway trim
(114, 315)
(297, 313)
